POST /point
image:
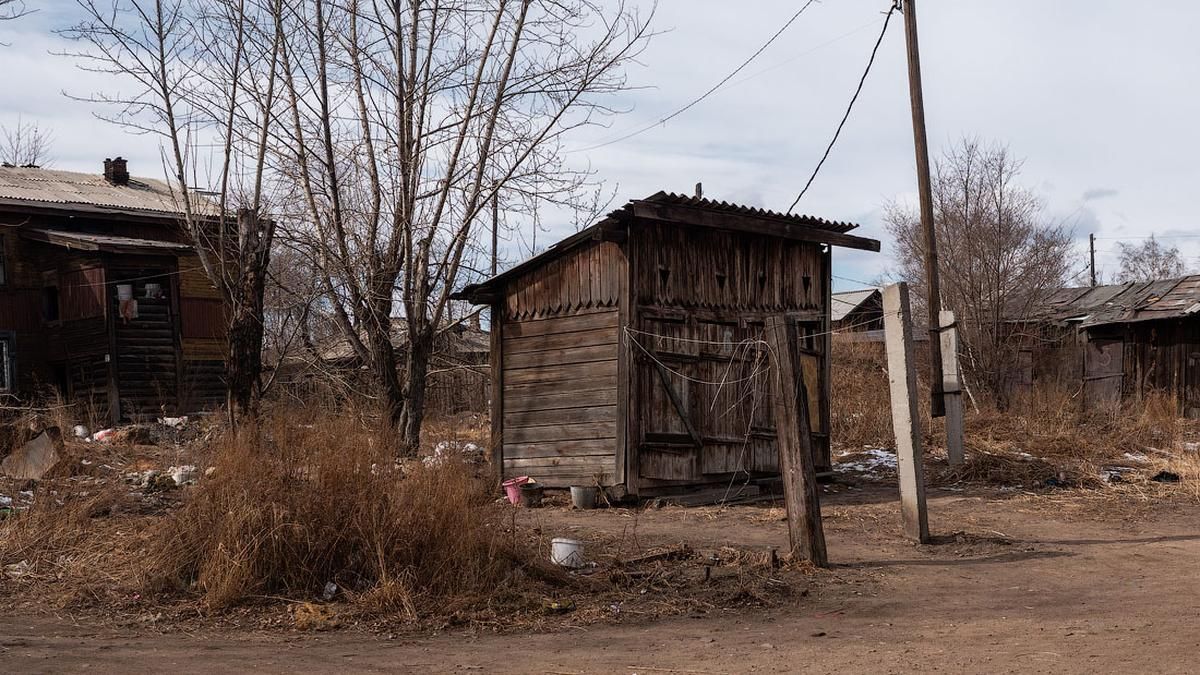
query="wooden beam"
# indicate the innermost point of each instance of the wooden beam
(497, 384)
(735, 222)
(794, 437)
(902, 376)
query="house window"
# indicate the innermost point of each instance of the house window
(7, 371)
(50, 304)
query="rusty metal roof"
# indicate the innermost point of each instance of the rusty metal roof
(1123, 303)
(68, 189)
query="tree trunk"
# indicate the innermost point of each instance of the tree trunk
(387, 380)
(420, 349)
(243, 366)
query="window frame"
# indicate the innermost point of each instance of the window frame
(8, 362)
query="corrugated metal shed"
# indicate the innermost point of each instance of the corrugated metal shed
(47, 187)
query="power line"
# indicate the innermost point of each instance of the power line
(708, 93)
(871, 61)
(1152, 236)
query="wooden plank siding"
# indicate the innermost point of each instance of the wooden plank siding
(559, 406)
(556, 354)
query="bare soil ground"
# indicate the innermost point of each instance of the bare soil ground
(1071, 581)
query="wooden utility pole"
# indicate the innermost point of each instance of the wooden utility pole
(924, 188)
(1092, 248)
(793, 434)
(902, 379)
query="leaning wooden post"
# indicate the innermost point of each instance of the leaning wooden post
(897, 325)
(952, 388)
(793, 434)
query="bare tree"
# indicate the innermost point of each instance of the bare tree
(26, 145)
(405, 119)
(1149, 261)
(999, 256)
(205, 77)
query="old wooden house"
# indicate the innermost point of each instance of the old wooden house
(630, 353)
(102, 300)
(1117, 342)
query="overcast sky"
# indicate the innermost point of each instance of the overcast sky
(1099, 97)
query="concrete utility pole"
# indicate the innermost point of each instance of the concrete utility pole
(902, 379)
(932, 286)
(1092, 248)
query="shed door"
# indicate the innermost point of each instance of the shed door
(1103, 371)
(704, 398)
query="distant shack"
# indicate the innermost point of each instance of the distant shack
(630, 353)
(1121, 341)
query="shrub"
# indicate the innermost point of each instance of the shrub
(297, 503)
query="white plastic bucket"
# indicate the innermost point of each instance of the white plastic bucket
(124, 292)
(566, 552)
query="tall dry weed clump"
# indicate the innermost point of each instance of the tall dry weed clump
(860, 404)
(860, 396)
(300, 502)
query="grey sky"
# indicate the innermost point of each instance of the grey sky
(1099, 97)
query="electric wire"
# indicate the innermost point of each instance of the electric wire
(862, 80)
(711, 90)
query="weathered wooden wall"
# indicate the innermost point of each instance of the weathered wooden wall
(77, 353)
(558, 367)
(1165, 356)
(202, 338)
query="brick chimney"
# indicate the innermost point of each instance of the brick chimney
(116, 171)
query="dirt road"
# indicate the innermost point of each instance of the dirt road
(1031, 585)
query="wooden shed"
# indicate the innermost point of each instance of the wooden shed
(630, 353)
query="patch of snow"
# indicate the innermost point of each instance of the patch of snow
(1190, 446)
(5, 500)
(871, 460)
(1136, 457)
(446, 449)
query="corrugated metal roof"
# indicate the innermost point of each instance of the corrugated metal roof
(66, 188)
(476, 292)
(1123, 303)
(848, 301)
(799, 219)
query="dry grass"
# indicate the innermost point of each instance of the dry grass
(1045, 436)
(294, 505)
